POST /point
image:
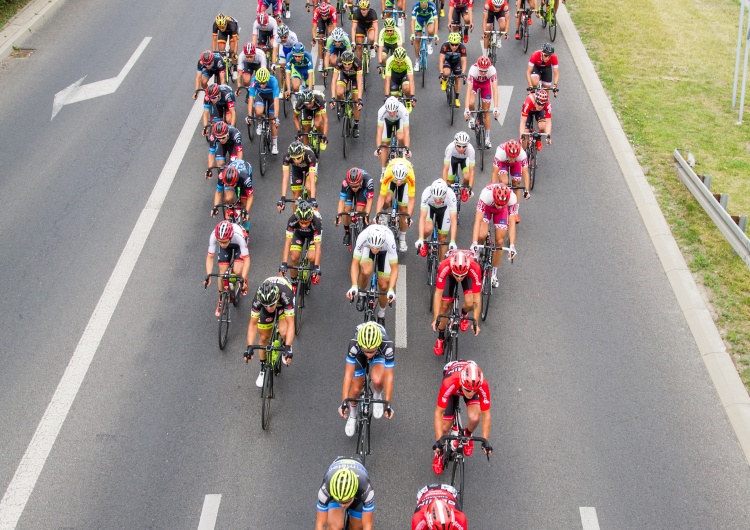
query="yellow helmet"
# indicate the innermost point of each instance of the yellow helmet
(364, 4)
(262, 75)
(369, 336)
(221, 20)
(344, 484)
(454, 38)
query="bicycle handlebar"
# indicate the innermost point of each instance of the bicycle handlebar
(351, 215)
(535, 134)
(461, 439)
(461, 317)
(267, 347)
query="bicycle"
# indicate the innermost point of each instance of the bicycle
(423, 53)
(345, 108)
(313, 139)
(367, 49)
(531, 153)
(371, 298)
(364, 406)
(494, 44)
(394, 150)
(480, 132)
(450, 91)
(523, 26)
(209, 171)
(390, 218)
(355, 227)
(432, 263)
(302, 284)
(264, 144)
(549, 18)
(454, 318)
(273, 369)
(229, 67)
(457, 188)
(230, 295)
(485, 262)
(398, 14)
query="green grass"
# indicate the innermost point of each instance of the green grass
(668, 69)
(8, 8)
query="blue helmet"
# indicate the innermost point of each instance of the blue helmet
(298, 48)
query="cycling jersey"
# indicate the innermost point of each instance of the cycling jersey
(265, 33)
(489, 7)
(351, 71)
(332, 18)
(451, 387)
(393, 66)
(385, 354)
(530, 106)
(428, 201)
(265, 4)
(461, 4)
(244, 182)
(472, 282)
(536, 59)
(338, 47)
(309, 160)
(364, 499)
(476, 76)
(445, 493)
(453, 55)
(302, 67)
(232, 147)
(285, 47)
(271, 89)
(285, 305)
(237, 241)
(503, 164)
(451, 152)
(231, 29)
(364, 22)
(251, 64)
(313, 230)
(362, 246)
(402, 115)
(365, 192)
(218, 110)
(393, 40)
(387, 179)
(424, 14)
(498, 215)
(318, 105)
(216, 67)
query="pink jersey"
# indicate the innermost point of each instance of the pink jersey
(475, 76)
(486, 203)
(503, 164)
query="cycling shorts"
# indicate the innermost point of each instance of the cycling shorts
(422, 23)
(544, 73)
(457, 14)
(355, 510)
(299, 238)
(399, 192)
(323, 25)
(225, 254)
(454, 65)
(492, 16)
(484, 88)
(348, 79)
(266, 318)
(381, 263)
(297, 177)
(397, 79)
(539, 115)
(456, 165)
(264, 100)
(499, 219)
(361, 28)
(450, 285)
(513, 168)
(449, 410)
(440, 218)
(390, 128)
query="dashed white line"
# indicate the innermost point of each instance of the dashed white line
(589, 519)
(210, 512)
(28, 471)
(401, 307)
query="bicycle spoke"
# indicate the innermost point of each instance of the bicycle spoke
(267, 395)
(224, 320)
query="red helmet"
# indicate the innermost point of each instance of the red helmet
(224, 231)
(207, 57)
(231, 175)
(249, 50)
(220, 129)
(440, 515)
(483, 63)
(354, 176)
(501, 195)
(212, 91)
(324, 8)
(460, 264)
(541, 96)
(512, 148)
(263, 19)
(471, 377)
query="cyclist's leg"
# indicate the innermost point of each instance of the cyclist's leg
(294, 252)
(365, 269)
(359, 39)
(402, 199)
(444, 222)
(472, 414)
(501, 229)
(417, 40)
(384, 274)
(471, 95)
(308, 182)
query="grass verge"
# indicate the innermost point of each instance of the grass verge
(668, 71)
(8, 8)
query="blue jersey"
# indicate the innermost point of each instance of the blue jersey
(424, 14)
(245, 182)
(271, 88)
(301, 67)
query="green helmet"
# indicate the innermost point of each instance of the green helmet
(306, 96)
(304, 211)
(344, 484)
(369, 336)
(262, 75)
(296, 148)
(389, 23)
(454, 38)
(268, 293)
(399, 53)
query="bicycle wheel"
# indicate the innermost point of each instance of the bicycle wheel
(448, 349)
(265, 416)
(481, 145)
(457, 479)
(224, 320)
(236, 293)
(451, 91)
(365, 67)
(543, 14)
(525, 36)
(250, 127)
(354, 230)
(262, 153)
(299, 303)
(552, 24)
(486, 292)
(345, 130)
(423, 64)
(431, 277)
(362, 440)
(532, 168)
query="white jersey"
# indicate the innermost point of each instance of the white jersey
(362, 246)
(486, 199)
(243, 62)
(271, 27)
(290, 41)
(452, 152)
(428, 201)
(474, 75)
(237, 239)
(401, 114)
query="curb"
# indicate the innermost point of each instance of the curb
(719, 365)
(19, 27)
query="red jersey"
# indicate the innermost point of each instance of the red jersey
(419, 521)
(444, 492)
(490, 7)
(462, 3)
(333, 16)
(536, 59)
(452, 387)
(474, 276)
(529, 105)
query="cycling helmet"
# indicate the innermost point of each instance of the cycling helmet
(296, 148)
(461, 139)
(460, 264)
(364, 4)
(221, 20)
(454, 38)
(439, 189)
(399, 172)
(262, 75)
(541, 96)
(399, 53)
(249, 50)
(369, 336)
(512, 148)
(324, 9)
(343, 485)
(501, 195)
(391, 104)
(483, 63)
(354, 176)
(231, 176)
(347, 57)
(547, 48)
(306, 96)
(268, 293)
(304, 211)
(376, 237)
(471, 377)
(338, 35)
(224, 231)
(389, 23)
(212, 91)
(207, 57)
(498, 3)
(440, 515)
(298, 48)
(220, 129)
(262, 19)
(282, 31)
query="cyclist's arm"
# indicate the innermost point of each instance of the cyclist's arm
(205, 116)
(379, 136)
(297, 120)
(324, 117)
(360, 83)
(438, 422)
(494, 93)
(252, 330)
(368, 206)
(477, 220)
(555, 75)
(387, 84)
(211, 159)
(410, 205)
(284, 179)
(422, 219)
(381, 200)
(312, 175)
(511, 228)
(522, 126)
(436, 299)
(334, 78)
(407, 136)
(198, 75)
(486, 424)
(209, 264)
(347, 384)
(367, 521)
(310, 73)
(289, 339)
(528, 74)
(525, 173)
(354, 270)
(245, 270)
(214, 42)
(463, 64)
(321, 520)
(231, 117)
(287, 244)
(454, 224)
(394, 275)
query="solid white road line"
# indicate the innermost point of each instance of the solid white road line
(401, 307)
(210, 512)
(589, 519)
(23, 482)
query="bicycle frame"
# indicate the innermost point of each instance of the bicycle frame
(364, 418)
(273, 368)
(454, 318)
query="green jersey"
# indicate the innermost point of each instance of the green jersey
(392, 39)
(392, 67)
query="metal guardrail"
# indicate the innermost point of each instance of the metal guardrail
(715, 209)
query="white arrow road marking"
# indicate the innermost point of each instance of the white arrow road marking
(22, 485)
(401, 307)
(589, 519)
(76, 92)
(503, 101)
(210, 512)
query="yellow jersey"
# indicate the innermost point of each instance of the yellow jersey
(410, 180)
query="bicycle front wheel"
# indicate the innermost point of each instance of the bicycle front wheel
(448, 350)
(532, 169)
(486, 292)
(299, 303)
(262, 153)
(543, 14)
(265, 418)
(431, 278)
(345, 130)
(423, 65)
(363, 441)
(457, 479)
(552, 25)
(481, 142)
(451, 91)
(525, 36)
(224, 320)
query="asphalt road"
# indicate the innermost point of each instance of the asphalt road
(600, 398)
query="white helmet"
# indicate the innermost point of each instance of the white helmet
(376, 237)
(391, 104)
(338, 34)
(461, 138)
(498, 3)
(439, 189)
(399, 172)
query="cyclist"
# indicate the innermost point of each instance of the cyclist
(348, 72)
(374, 251)
(357, 191)
(423, 16)
(225, 27)
(519, 9)
(251, 59)
(511, 160)
(337, 43)
(460, 156)
(458, 268)
(310, 111)
(461, 9)
(438, 206)
(364, 22)
(495, 10)
(496, 204)
(282, 44)
(371, 346)
(305, 225)
(218, 105)
(388, 6)
(210, 64)
(399, 76)
(299, 68)
(277, 8)
(482, 80)
(224, 141)
(304, 171)
(388, 40)
(557, 4)
(274, 299)
(536, 106)
(438, 508)
(464, 379)
(346, 487)
(393, 118)
(232, 244)
(453, 59)
(399, 179)
(324, 19)
(543, 67)
(264, 31)
(235, 185)
(264, 89)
